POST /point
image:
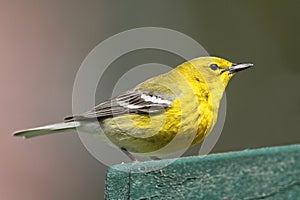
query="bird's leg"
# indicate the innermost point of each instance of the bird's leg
(127, 153)
(155, 158)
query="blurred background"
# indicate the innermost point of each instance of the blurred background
(43, 43)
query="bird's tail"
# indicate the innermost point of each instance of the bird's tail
(48, 129)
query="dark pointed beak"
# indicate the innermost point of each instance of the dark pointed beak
(239, 67)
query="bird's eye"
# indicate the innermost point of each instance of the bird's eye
(214, 66)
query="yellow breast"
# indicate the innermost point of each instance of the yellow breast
(186, 122)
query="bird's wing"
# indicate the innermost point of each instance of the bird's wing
(133, 101)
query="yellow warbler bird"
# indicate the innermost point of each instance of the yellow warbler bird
(162, 115)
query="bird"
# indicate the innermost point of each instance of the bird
(160, 116)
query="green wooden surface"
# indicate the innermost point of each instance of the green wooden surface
(268, 173)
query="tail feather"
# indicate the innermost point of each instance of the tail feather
(48, 129)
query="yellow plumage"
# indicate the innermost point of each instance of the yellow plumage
(190, 116)
(166, 113)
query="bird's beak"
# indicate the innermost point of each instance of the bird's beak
(238, 67)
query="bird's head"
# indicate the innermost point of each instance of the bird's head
(214, 68)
